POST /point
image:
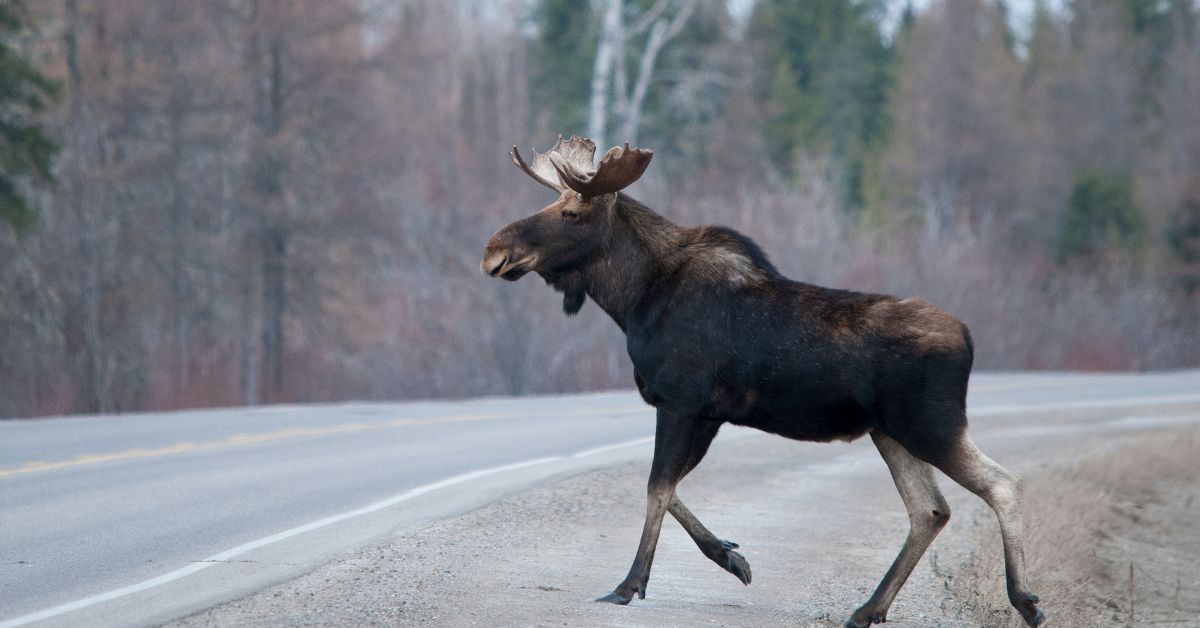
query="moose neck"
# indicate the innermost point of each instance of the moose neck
(637, 252)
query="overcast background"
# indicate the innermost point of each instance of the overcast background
(251, 201)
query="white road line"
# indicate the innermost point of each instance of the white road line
(599, 450)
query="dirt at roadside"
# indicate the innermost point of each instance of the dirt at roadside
(1113, 541)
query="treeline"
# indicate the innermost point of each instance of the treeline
(259, 201)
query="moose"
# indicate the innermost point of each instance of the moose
(717, 335)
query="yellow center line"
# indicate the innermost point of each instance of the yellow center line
(249, 439)
(298, 432)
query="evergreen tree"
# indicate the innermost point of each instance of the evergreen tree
(1101, 216)
(562, 52)
(827, 72)
(1046, 46)
(25, 150)
(1183, 240)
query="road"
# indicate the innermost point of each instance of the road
(138, 519)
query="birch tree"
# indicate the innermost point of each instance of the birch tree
(611, 95)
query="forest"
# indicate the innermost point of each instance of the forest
(223, 202)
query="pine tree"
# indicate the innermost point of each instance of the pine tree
(26, 152)
(828, 70)
(1100, 217)
(562, 50)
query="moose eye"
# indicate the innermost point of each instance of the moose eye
(570, 215)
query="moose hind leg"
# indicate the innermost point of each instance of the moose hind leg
(927, 514)
(1001, 489)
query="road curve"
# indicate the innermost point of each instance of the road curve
(138, 519)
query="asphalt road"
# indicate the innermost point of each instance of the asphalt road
(139, 519)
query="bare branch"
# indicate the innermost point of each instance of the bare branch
(647, 18)
(662, 32)
(609, 48)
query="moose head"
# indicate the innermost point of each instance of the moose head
(557, 241)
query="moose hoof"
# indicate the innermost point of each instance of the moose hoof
(624, 592)
(1026, 605)
(863, 618)
(729, 560)
(616, 598)
(736, 564)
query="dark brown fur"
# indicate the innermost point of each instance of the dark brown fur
(717, 335)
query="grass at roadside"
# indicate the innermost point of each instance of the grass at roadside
(1111, 541)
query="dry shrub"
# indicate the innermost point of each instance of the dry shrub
(1085, 526)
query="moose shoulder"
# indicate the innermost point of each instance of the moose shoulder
(717, 335)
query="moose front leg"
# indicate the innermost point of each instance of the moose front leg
(717, 550)
(675, 438)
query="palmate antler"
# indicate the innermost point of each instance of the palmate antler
(569, 165)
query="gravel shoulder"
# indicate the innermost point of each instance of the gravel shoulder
(819, 524)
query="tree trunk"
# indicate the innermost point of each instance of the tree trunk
(660, 33)
(87, 275)
(274, 303)
(606, 52)
(633, 112)
(251, 394)
(181, 287)
(272, 240)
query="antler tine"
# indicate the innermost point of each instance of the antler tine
(618, 169)
(520, 163)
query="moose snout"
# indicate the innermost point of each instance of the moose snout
(505, 259)
(496, 254)
(493, 261)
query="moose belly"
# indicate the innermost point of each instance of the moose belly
(810, 415)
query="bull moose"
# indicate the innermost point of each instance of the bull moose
(717, 335)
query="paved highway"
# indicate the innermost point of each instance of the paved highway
(137, 519)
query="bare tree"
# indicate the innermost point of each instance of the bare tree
(956, 93)
(610, 90)
(263, 200)
(297, 55)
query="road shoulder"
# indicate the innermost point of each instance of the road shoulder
(819, 523)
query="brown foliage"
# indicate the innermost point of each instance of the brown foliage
(268, 200)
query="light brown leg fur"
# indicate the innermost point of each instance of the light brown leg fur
(927, 514)
(1001, 489)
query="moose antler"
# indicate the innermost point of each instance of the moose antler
(577, 150)
(569, 165)
(618, 169)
